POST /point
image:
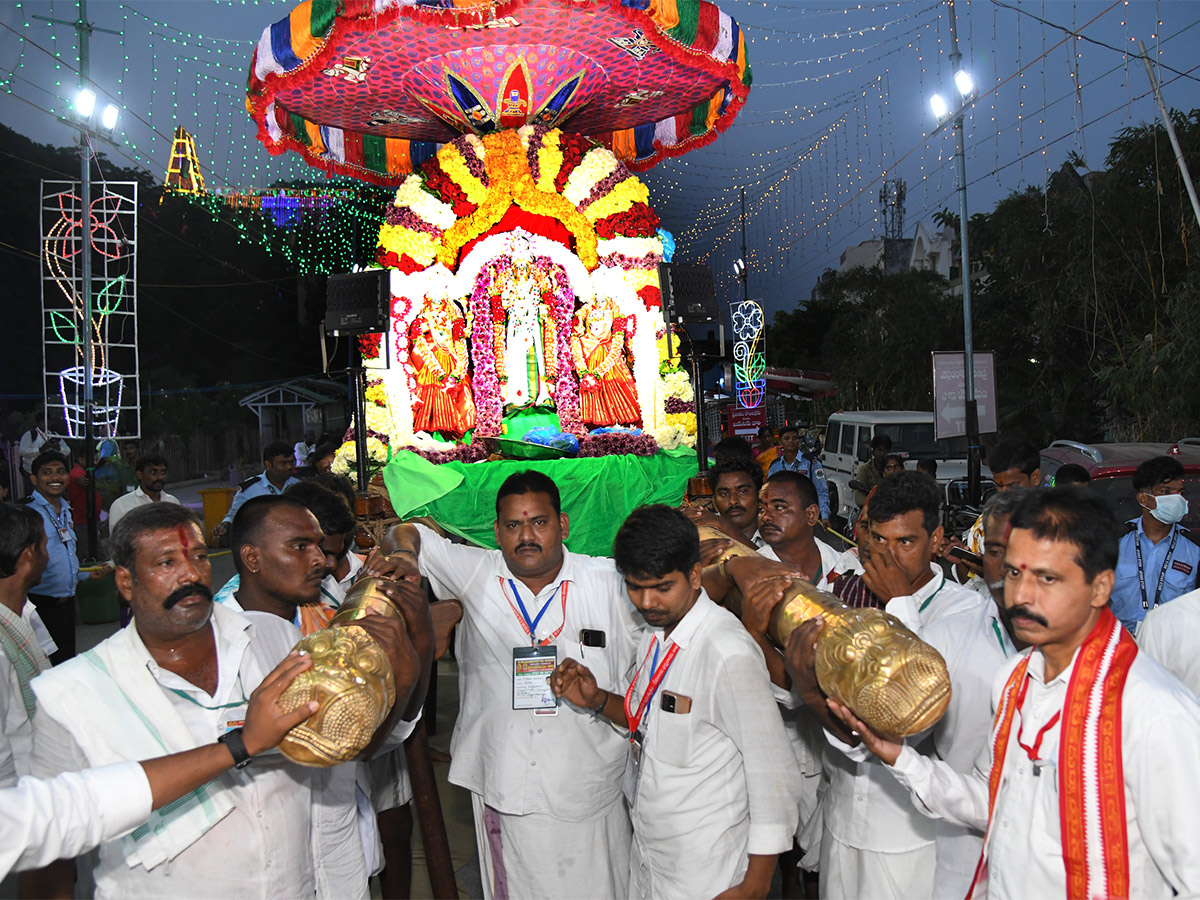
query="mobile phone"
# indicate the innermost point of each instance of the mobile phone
(973, 559)
(589, 637)
(676, 703)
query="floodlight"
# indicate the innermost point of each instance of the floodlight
(109, 118)
(85, 102)
(965, 84)
(939, 107)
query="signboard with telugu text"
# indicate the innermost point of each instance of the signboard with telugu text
(950, 393)
(745, 422)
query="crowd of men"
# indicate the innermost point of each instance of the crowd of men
(621, 732)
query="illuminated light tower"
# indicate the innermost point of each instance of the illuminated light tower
(968, 92)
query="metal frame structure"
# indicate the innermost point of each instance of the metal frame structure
(89, 340)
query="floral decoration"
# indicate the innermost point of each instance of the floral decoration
(368, 345)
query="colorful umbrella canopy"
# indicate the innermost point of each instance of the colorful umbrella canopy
(370, 88)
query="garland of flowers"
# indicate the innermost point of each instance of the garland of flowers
(617, 443)
(484, 381)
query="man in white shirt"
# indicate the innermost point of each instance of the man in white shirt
(1081, 791)
(23, 558)
(874, 845)
(975, 643)
(1171, 634)
(711, 780)
(34, 442)
(277, 542)
(42, 820)
(179, 676)
(545, 780)
(151, 471)
(303, 449)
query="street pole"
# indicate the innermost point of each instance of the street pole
(83, 30)
(745, 263)
(972, 410)
(1162, 107)
(85, 196)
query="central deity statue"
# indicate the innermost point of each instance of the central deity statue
(529, 362)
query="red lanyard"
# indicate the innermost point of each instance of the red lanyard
(1034, 752)
(657, 673)
(529, 626)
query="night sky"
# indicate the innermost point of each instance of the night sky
(840, 101)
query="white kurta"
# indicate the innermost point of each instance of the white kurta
(719, 782)
(127, 503)
(567, 766)
(975, 647)
(874, 844)
(1160, 737)
(262, 848)
(61, 817)
(1171, 634)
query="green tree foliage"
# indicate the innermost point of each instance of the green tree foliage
(1085, 290)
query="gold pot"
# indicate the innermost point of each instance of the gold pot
(867, 659)
(351, 679)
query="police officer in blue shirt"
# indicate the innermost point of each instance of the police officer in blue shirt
(1158, 559)
(791, 459)
(278, 463)
(54, 595)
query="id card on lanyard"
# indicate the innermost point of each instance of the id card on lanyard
(658, 671)
(533, 665)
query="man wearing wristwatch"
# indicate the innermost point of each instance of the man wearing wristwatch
(178, 677)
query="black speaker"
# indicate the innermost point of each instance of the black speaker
(357, 303)
(310, 296)
(687, 293)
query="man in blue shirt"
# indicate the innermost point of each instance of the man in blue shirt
(1158, 559)
(54, 595)
(278, 464)
(790, 459)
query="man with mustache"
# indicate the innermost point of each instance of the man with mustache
(545, 779)
(179, 677)
(735, 483)
(1081, 791)
(151, 473)
(711, 781)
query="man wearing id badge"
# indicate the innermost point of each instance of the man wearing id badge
(544, 777)
(54, 595)
(711, 779)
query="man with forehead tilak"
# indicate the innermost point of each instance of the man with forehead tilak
(1086, 787)
(179, 677)
(545, 778)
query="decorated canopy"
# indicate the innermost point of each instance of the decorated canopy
(371, 88)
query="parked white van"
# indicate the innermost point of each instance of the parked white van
(848, 445)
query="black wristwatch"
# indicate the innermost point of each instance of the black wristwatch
(233, 740)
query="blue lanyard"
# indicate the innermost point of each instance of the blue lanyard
(654, 662)
(532, 624)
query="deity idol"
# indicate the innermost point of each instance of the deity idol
(438, 354)
(608, 394)
(529, 363)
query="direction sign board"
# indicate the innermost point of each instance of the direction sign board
(950, 393)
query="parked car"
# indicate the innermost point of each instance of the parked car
(848, 444)
(1111, 466)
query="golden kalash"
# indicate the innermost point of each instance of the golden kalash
(866, 659)
(351, 679)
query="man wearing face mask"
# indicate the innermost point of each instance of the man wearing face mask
(1158, 559)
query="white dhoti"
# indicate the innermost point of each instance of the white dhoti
(850, 873)
(390, 785)
(539, 857)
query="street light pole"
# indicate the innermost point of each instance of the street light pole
(745, 256)
(972, 409)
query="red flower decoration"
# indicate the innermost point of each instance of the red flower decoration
(368, 345)
(403, 262)
(637, 221)
(651, 297)
(458, 330)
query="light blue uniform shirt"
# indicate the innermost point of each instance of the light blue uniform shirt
(1180, 576)
(62, 572)
(260, 488)
(805, 465)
